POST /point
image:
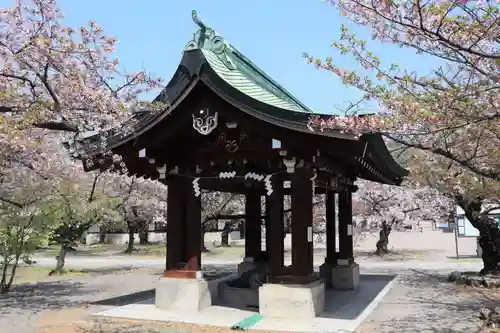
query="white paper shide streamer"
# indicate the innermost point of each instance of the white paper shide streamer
(313, 181)
(196, 187)
(268, 184)
(232, 174)
(255, 176)
(226, 175)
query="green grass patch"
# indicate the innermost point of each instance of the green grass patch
(105, 250)
(395, 255)
(33, 274)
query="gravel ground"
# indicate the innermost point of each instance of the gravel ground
(63, 306)
(419, 302)
(31, 307)
(129, 326)
(424, 302)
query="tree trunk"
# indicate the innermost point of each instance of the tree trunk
(102, 237)
(383, 241)
(6, 287)
(131, 231)
(144, 234)
(3, 283)
(83, 238)
(489, 235)
(130, 245)
(224, 240)
(63, 250)
(224, 236)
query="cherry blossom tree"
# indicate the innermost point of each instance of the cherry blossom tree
(59, 77)
(220, 206)
(447, 121)
(25, 222)
(32, 183)
(456, 101)
(378, 207)
(139, 202)
(68, 191)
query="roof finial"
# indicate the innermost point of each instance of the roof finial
(197, 20)
(206, 38)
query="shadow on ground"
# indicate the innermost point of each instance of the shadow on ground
(421, 302)
(43, 296)
(138, 297)
(394, 255)
(103, 271)
(210, 272)
(79, 252)
(349, 304)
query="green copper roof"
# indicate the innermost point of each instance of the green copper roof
(239, 72)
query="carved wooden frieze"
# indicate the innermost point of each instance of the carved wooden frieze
(232, 141)
(204, 122)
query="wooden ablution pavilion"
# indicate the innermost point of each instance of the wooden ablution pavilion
(229, 127)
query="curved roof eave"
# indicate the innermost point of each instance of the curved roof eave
(194, 67)
(292, 120)
(383, 153)
(183, 81)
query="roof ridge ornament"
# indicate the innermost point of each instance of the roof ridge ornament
(197, 20)
(206, 38)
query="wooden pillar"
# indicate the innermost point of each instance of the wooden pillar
(275, 229)
(175, 224)
(346, 251)
(266, 220)
(331, 241)
(183, 230)
(193, 231)
(253, 228)
(302, 215)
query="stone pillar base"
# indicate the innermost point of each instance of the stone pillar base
(292, 301)
(345, 276)
(325, 272)
(182, 294)
(246, 265)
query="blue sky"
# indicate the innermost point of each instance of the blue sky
(272, 33)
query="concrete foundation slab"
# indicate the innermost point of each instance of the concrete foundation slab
(344, 311)
(345, 277)
(292, 301)
(183, 294)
